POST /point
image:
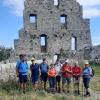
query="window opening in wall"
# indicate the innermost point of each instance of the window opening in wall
(33, 18)
(43, 43)
(74, 43)
(56, 2)
(63, 19)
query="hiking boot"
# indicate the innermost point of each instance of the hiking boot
(78, 92)
(24, 92)
(59, 90)
(87, 94)
(63, 91)
(75, 92)
(68, 91)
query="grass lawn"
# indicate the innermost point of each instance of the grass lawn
(96, 69)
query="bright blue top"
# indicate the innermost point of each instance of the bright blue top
(22, 67)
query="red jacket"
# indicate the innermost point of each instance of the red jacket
(66, 71)
(77, 71)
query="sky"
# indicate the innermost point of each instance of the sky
(11, 19)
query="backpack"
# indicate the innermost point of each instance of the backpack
(93, 72)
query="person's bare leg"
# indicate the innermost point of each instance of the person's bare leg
(33, 85)
(44, 85)
(24, 87)
(63, 87)
(59, 89)
(36, 86)
(21, 87)
(68, 87)
(41, 84)
(78, 88)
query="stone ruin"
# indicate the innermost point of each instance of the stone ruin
(53, 27)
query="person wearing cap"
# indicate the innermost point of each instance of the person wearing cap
(66, 71)
(44, 72)
(87, 71)
(22, 72)
(76, 78)
(34, 70)
(52, 78)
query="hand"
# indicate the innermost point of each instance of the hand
(17, 74)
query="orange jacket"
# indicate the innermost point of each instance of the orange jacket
(52, 72)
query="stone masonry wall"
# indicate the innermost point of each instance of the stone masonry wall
(48, 23)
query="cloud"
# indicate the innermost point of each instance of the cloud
(89, 2)
(16, 6)
(91, 8)
(96, 40)
(91, 12)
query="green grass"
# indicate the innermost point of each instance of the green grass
(96, 68)
(10, 91)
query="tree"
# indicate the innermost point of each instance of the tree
(4, 53)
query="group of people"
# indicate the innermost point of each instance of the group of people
(56, 74)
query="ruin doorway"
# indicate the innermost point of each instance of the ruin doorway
(56, 57)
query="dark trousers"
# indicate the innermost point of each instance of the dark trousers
(58, 79)
(52, 82)
(86, 82)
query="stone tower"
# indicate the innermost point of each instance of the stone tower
(52, 26)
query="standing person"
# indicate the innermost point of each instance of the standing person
(87, 73)
(22, 71)
(44, 72)
(66, 71)
(52, 78)
(76, 78)
(58, 76)
(34, 68)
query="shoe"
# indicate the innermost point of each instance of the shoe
(87, 94)
(63, 91)
(75, 92)
(68, 91)
(24, 92)
(78, 92)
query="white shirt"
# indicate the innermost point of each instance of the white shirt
(58, 68)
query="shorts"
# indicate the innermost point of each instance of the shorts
(86, 82)
(58, 78)
(44, 77)
(64, 79)
(35, 79)
(76, 80)
(22, 78)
